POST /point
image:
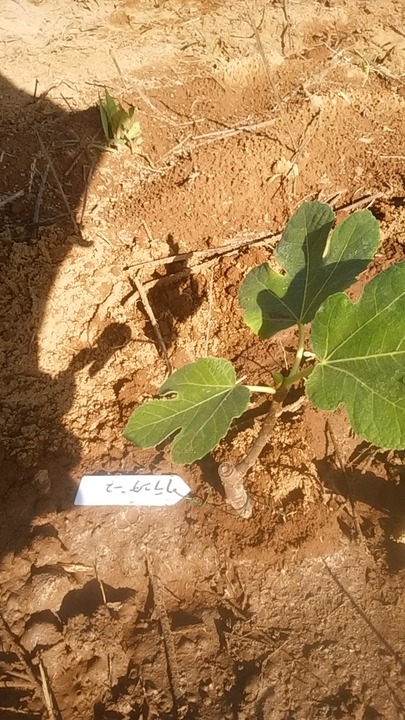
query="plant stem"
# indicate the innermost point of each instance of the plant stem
(235, 492)
(291, 379)
(261, 389)
(265, 430)
(300, 350)
(232, 475)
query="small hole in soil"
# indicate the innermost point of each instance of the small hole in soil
(181, 619)
(88, 599)
(100, 713)
(43, 531)
(295, 497)
(45, 616)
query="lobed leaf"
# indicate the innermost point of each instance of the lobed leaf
(315, 265)
(206, 400)
(361, 351)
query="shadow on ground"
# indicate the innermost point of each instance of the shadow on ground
(46, 158)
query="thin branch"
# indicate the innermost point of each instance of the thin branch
(10, 198)
(46, 690)
(38, 202)
(259, 43)
(86, 190)
(230, 132)
(238, 244)
(145, 302)
(170, 650)
(367, 200)
(58, 183)
(287, 27)
(37, 672)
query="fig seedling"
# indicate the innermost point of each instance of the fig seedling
(357, 349)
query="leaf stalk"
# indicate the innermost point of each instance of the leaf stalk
(300, 350)
(262, 389)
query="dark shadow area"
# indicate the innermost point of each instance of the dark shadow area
(41, 145)
(44, 616)
(89, 598)
(367, 488)
(380, 206)
(16, 691)
(183, 619)
(176, 295)
(387, 497)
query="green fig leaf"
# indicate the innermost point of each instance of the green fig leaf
(361, 351)
(206, 400)
(315, 266)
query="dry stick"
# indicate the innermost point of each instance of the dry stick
(367, 200)
(10, 198)
(238, 244)
(19, 650)
(181, 275)
(59, 186)
(48, 221)
(145, 302)
(148, 232)
(38, 204)
(259, 43)
(86, 190)
(170, 650)
(83, 150)
(232, 475)
(230, 132)
(46, 691)
(218, 135)
(287, 27)
(210, 294)
(25, 659)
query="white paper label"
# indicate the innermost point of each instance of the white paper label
(136, 490)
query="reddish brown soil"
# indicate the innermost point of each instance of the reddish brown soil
(189, 612)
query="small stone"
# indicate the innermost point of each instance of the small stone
(43, 482)
(41, 635)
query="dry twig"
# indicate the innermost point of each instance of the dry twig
(368, 200)
(38, 201)
(287, 28)
(259, 43)
(145, 302)
(59, 185)
(170, 650)
(46, 690)
(86, 190)
(10, 198)
(39, 678)
(240, 243)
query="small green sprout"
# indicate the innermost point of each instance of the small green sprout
(119, 125)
